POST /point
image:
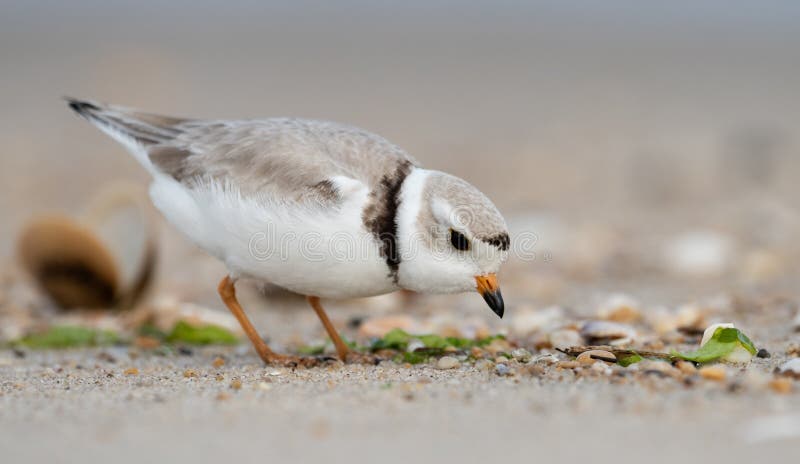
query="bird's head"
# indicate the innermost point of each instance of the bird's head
(452, 237)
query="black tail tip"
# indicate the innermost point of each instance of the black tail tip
(81, 107)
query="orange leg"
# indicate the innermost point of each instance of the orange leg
(228, 294)
(344, 351)
(341, 347)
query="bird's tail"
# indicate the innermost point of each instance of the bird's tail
(136, 130)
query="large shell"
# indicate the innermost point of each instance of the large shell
(69, 263)
(105, 260)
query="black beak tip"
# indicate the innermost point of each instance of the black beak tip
(495, 301)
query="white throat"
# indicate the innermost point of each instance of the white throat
(407, 219)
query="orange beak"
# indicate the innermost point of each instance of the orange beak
(490, 291)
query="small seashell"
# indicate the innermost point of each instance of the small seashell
(739, 354)
(790, 368)
(619, 308)
(592, 356)
(606, 332)
(709, 332)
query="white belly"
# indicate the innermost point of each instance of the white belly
(313, 251)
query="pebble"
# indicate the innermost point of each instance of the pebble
(190, 373)
(781, 385)
(236, 384)
(502, 370)
(264, 386)
(763, 353)
(501, 360)
(686, 367)
(590, 357)
(790, 368)
(716, 373)
(218, 362)
(447, 362)
(522, 355)
(131, 371)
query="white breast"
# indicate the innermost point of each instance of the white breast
(311, 251)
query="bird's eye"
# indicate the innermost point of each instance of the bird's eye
(458, 240)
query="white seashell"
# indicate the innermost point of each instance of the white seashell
(739, 355)
(709, 332)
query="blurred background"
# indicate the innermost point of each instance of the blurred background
(628, 137)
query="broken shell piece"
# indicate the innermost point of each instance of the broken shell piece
(105, 261)
(790, 368)
(606, 332)
(619, 308)
(591, 356)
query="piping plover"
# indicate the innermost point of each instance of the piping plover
(319, 208)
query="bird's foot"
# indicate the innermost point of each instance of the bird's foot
(355, 357)
(280, 360)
